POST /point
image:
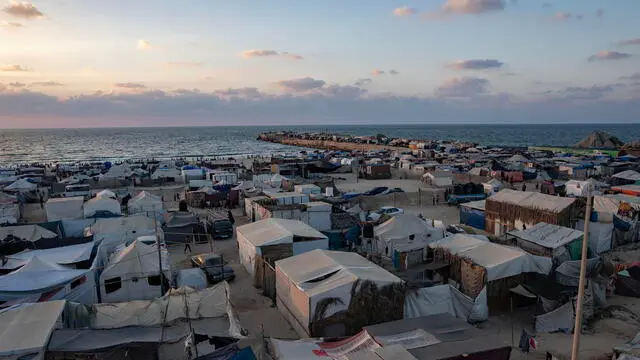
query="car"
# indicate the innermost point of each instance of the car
(214, 267)
(222, 229)
(375, 191)
(391, 190)
(350, 195)
(385, 210)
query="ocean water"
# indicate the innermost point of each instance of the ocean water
(66, 145)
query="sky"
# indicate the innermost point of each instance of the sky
(96, 63)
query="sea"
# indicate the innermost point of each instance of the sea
(76, 145)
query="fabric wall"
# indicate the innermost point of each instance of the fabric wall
(446, 299)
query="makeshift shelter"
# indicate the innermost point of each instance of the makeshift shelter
(492, 186)
(626, 177)
(476, 263)
(511, 209)
(438, 178)
(446, 299)
(584, 188)
(40, 280)
(26, 329)
(22, 186)
(31, 233)
(134, 274)
(65, 208)
(275, 239)
(70, 256)
(102, 207)
(181, 227)
(144, 202)
(553, 241)
(106, 194)
(398, 230)
(473, 214)
(322, 293)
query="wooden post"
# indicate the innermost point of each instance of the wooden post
(583, 269)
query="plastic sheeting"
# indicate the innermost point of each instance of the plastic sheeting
(446, 299)
(61, 255)
(568, 273)
(562, 318)
(600, 236)
(96, 205)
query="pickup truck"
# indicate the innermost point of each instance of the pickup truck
(461, 199)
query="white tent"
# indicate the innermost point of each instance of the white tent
(22, 185)
(107, 194)
(39, 277)
(134, 274)
(98, 205)
(64, 208)
(498, 260)
(304, 280)
(492, 186)
(629, 175)
(26, 329)
(27, 232)
(264, 233)
(7, 199)
(144, 202)
(65, 255)
(396, 231)
(167, 171)
(583, 188)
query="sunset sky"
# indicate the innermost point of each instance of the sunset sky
(97, 63)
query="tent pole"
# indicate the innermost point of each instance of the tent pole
(583, 269)
(155, 227)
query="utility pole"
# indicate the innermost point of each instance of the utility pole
(155, 228)
(583, 269)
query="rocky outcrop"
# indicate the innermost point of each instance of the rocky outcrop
(600, 140)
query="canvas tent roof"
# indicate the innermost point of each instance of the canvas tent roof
(27, 232)
(38, 274)
(493, 182)
(533, 200)
(346, 268)
(548, 235)
(517, 158)
(21, 185)
(26, 328)
(478, 205)
(7, 199)
(96, 205)
(60, 255)
(145, 201)
(499, 261)
(401, 226)
(630, 175)
(277, 231)
(106, 193)
(137, 259)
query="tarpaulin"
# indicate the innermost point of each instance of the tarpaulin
(446, 299)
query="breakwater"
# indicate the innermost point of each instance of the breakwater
(324, 144)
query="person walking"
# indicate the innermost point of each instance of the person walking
(230, 216)
(187, 244)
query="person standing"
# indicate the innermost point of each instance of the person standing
(230, 216)
(187, 244)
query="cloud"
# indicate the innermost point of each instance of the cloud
(476, 64)
(144, 44)
(472, 6)
(301, 84)
(13, 67)
(269, 53)
(562, 16)
(23, 10)
(404, 11)
(10, 25)
(463, 87)
(627, 42)
(46, 83)
(184, 64)
(594, 92)
(393, 72)
(547, 5)
(130, 85)
(634, 77)
(17, 84)
(363, 82)
(608, 55)
(243, 93)
(377, 72)
(599, 13)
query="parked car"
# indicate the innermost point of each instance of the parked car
(376, 191)
(194, 278)
(350, 195)
(385, 210)
(221, 229)
(391, 190)
(214, 267)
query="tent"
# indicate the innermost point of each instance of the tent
(396, 231)
(106, 193)
(144, 202)
(554, 241)
(26, 329)
(262, 237)
(22, 185)
(584, 188)
(41, 280)
(65, 208)
(492, 186)
(443, 299)
(134, 274)
(6, 199)
(30, 233)
(305, 280)
(65, 255)
(98, 206)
